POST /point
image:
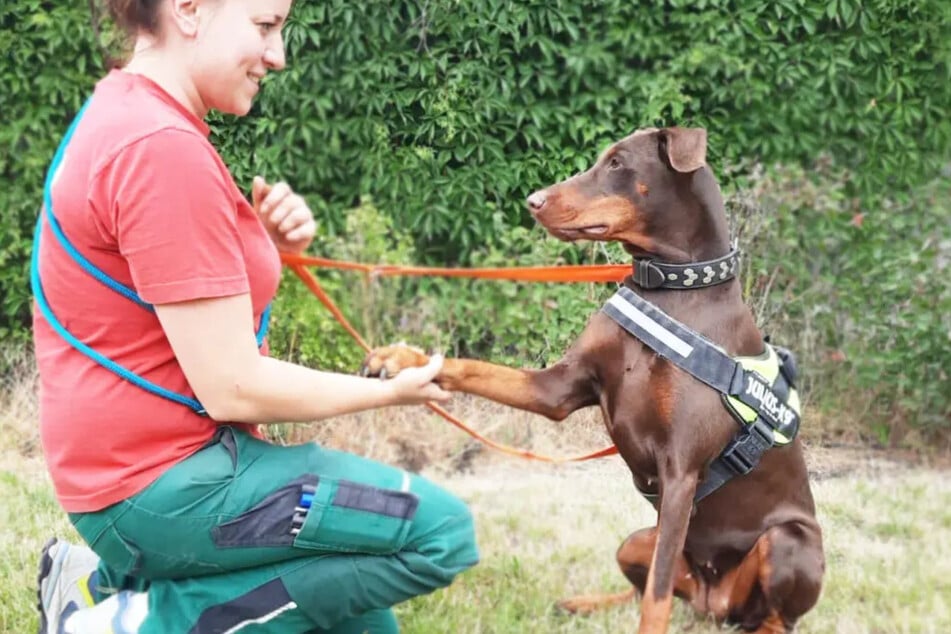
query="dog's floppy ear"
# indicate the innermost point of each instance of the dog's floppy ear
(684, 149)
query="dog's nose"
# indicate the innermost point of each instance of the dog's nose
(537, 200)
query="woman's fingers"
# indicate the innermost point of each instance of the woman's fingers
(419, 381)
(304, 231)
(276, 204)
(292, 213)
(286, 215)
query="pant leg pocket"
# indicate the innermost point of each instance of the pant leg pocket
(268, 523)
(348, 517)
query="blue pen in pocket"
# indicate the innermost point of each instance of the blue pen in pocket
(303, 506)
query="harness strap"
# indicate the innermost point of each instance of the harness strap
(739, 457)
(710, 364)
(101, 276)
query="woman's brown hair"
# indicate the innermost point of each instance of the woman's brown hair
(131, 16)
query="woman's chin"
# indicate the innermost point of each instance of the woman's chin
(238, 106)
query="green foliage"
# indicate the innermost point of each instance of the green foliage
(52, 63)
(514, 322)
(864, 297)
(447, 114)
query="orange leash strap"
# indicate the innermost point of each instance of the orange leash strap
(311, 282)
(300, 269)
(579, 273)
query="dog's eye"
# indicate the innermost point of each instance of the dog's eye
(614, 164)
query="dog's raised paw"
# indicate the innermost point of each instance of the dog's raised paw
(388, 361)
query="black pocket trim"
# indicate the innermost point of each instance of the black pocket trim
(361, 497)
(268, 523)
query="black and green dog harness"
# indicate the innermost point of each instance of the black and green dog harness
(758, 391)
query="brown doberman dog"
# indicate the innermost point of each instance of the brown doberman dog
(749, 553)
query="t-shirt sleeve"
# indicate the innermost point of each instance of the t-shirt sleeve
(174, 214)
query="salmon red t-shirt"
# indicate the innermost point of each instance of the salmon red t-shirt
(145, 197)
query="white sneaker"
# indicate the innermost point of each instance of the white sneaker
(121, 613)
(63, 583)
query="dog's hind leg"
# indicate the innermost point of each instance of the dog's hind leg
(792, 576)
(777, 582)
(587, 603)
(634, 558)
(772, 625)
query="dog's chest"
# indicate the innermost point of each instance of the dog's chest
(637, 406)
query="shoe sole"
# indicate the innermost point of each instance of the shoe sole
(46, 566)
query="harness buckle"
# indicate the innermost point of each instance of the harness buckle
(647, 274)
(744, 452)
(787, 364)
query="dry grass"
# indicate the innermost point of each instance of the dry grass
(417, 438)
(547, 532)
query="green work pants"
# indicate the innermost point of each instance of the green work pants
(246, 535)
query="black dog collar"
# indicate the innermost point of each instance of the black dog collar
(652, 274)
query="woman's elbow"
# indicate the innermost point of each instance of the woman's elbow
(229, 403)
(222, 412)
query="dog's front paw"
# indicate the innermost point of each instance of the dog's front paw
(386, 362)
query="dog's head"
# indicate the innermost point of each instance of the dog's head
(648, 191)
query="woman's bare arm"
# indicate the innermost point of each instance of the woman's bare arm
(213, 340)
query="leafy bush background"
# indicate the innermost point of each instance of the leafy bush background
(436, 119)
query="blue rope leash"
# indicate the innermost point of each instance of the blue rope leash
(105, 362)
(80, 259)
(103, 278)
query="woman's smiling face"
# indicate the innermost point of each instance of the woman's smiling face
(236, 44)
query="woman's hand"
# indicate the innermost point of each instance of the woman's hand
(288, 219)
(413, 386)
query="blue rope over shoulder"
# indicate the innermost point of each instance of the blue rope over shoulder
(103, 278)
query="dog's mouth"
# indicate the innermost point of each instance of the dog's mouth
(579, 233)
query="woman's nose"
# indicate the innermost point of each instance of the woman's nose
(274, 57)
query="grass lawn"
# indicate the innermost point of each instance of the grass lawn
(550, 532)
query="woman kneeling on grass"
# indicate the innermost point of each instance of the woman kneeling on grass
(150, 256)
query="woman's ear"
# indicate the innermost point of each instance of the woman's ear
(185, 15)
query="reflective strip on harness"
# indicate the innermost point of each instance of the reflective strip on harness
(758, 391)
